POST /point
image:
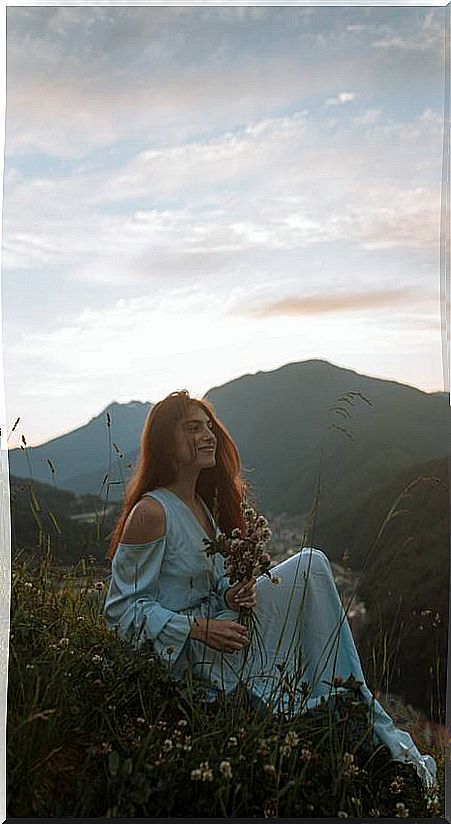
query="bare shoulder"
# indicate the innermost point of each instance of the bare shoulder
(145, 523)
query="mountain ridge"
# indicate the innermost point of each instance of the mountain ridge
(282, 420)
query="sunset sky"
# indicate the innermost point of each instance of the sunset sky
(195, 193)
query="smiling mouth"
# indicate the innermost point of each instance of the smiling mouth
(207, 449)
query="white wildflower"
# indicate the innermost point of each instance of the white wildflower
(225, 769)
(401, 811)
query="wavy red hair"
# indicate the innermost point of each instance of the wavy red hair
(156, 467)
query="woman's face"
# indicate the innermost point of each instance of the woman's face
(195, 430)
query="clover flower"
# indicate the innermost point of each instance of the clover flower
(350, 769)
(202, 773)
(225, 769)
(233, 741)
(292, 738)
(433, 805)
(269, 769)
(401, 810)
(397, 785)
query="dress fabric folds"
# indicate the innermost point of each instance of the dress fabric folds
(157, 589)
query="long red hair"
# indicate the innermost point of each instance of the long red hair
(221, 486)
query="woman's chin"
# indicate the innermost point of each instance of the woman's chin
(207, 462)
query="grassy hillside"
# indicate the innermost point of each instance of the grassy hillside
(404, 578)
(98, 729)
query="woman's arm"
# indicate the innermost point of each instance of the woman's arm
(132, 604)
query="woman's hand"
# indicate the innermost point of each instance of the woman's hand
(242, 594)
(225, 636)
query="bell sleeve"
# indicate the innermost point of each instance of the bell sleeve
(132, 605)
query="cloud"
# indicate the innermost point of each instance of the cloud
(321, 304)
(94, 76)
(427, 36)
(146, 346)
(369, 117)
(280, 183)
(343, 97)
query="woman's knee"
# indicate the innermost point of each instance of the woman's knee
(316, 558)
(308, 559)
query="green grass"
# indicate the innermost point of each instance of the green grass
(98, 729)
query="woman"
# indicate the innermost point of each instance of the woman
(165, 588)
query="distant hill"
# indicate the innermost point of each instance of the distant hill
(85, 450)
(37, 507)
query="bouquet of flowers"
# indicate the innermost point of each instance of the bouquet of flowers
(245, 552)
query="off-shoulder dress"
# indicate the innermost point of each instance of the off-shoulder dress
(157, 589)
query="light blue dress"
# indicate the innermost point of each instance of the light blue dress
(158, 588)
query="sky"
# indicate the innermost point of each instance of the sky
(196, 193)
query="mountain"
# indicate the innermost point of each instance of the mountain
(278, 419)
(84, 451)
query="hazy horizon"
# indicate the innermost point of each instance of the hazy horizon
(194, 193)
